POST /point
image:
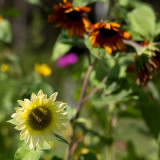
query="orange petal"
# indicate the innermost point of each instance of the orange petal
(113, 24)
(51, 17)
(83, 9)
(71, 30)
(55, 8)
(108, 49)
(87, 24)
(68, 10)
(99, 25)
(125, 34)
(58, 25)
(120, 45)
(107, 26)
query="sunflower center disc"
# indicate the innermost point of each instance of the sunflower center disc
(107, 33)
(39, 118)
(73, 15)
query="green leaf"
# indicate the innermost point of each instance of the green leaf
(56, 158)
(61, 139)
(45, 87)
(132, 155)
(129, 3)
(13, 121)
(85, 2)
(60, 49)
(70, 112)
(130, 112)
(11, 12)
(35, 87)
(151, 113)
(98, 52)
(118, 97)
(88, 156)
(142, 21)
(154, 91)
(24, 153)
(33, 1)
(157, 29)
(5, 31)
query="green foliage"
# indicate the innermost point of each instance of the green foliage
(35, 87)
(25, 153)
(151, 113)
(60, 49)
(99, 53)
(61, 139)
(132, 155)
(88, 156)
(11, 12)
(64, 44)
(119, 119)
(142, 22)
(5, 28)
(56, 158)
(84, 2)
(37, 2)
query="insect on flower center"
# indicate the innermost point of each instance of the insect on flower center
(74, 15)
(39, 118)
(107, 33)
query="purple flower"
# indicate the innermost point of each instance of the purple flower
(67, 60)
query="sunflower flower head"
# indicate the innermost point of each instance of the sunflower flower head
(109, 36)
(145, 66)
(70, 18)
(39, 119)
(43, 69)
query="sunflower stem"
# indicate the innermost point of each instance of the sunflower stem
(96, 89)
(85, 82)
(72, 145)
(133, 44)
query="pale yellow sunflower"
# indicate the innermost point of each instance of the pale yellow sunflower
(39, 119)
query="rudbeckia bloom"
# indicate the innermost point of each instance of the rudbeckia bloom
(146, 64)
(39, 118)
(145, 70)
(43, 69)
(71, 18)
(109, 36)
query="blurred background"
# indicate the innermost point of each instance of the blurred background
(27, 64)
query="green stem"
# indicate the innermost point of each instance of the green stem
(79, 107)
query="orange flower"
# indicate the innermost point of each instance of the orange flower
(109, 36)
(71, 18)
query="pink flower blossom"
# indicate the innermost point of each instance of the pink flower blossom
(67, 60)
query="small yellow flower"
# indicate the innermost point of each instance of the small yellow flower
(1, 18)
(4, 67)
(39, 119)
(43, 69)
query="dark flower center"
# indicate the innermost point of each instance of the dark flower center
(74, 15)
(107, 33)
(39, 118)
